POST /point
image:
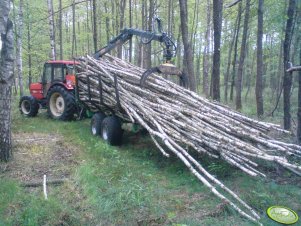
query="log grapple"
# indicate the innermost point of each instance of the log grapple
(169, 51)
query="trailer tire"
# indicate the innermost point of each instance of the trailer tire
(29, 106)
(60, 103)
(96, 122)
(111, 130)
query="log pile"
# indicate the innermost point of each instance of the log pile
(181, 123)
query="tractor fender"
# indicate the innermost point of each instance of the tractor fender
(64, 85)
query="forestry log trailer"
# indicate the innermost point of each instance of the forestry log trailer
(58, 94)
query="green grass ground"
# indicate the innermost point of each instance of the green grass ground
(128, 185)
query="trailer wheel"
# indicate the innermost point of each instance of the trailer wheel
(111, 130)
(96, 123)
(29, 106)
(61, 103)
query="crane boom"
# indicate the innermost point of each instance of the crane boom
(168, 53)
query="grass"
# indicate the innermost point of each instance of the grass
(129, 185)
(19, 207)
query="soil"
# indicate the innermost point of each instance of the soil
(185, 209)
(36, 155)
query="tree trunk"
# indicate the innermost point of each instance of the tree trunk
(88, 25)
(15, 85)
(217, 27)
(280, 74)
(242, 56)
(95, 26)
(206, 53)
(287, 81)
(272, 68)
(60, 30)
(74, 44)
(188, 58)
(140, 47)
(51, 30)
(19, 47)
(194, 29)
(147, 56)
(259, 85)
(179, 48)
(107, 22)
(198, 67)
(121, 24)
(226, 80)
(6, 79)
(131, 25)
(29, 46)
(299, 103)
(235, 51)
(170, 9)
(248, 82)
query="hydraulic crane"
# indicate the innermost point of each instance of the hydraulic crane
(166, 68)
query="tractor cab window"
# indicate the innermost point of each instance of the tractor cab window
(71, 70)
(58, 73)
(65, 71)
(47, 73)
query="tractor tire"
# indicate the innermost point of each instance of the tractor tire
(60, 103)
(111, 130)
(96, 123)
(29, 106)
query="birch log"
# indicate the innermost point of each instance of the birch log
(180, 121)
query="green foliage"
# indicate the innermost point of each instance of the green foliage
(130, 184)
(19, 207)
(108, 20)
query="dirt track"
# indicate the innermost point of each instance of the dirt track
(36, 155)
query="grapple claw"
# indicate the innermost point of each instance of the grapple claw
(166, 69)
(147, 73)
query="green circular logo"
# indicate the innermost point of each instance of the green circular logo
(282, 214)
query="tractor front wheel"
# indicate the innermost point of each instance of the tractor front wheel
(29, 106)
(61, 103)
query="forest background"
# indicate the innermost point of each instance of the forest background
(75, 28)
(142, 187)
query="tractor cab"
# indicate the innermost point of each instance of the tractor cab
(59, 72)
(54, 92)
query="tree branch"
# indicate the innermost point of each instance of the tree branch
(296, 68)
(232, 4)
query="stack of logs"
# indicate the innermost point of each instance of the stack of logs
(181, 122)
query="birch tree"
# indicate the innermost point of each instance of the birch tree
(19, 61)
(6, 79)
(51, 29)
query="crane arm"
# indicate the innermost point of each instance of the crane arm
(169, 51)
(127, 33)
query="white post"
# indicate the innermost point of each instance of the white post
(44, 188)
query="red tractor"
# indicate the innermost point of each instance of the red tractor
(55, 92)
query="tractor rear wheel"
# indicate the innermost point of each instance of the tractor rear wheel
(96, 123)
(111, 130)
(29, 106)
(61, 103)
